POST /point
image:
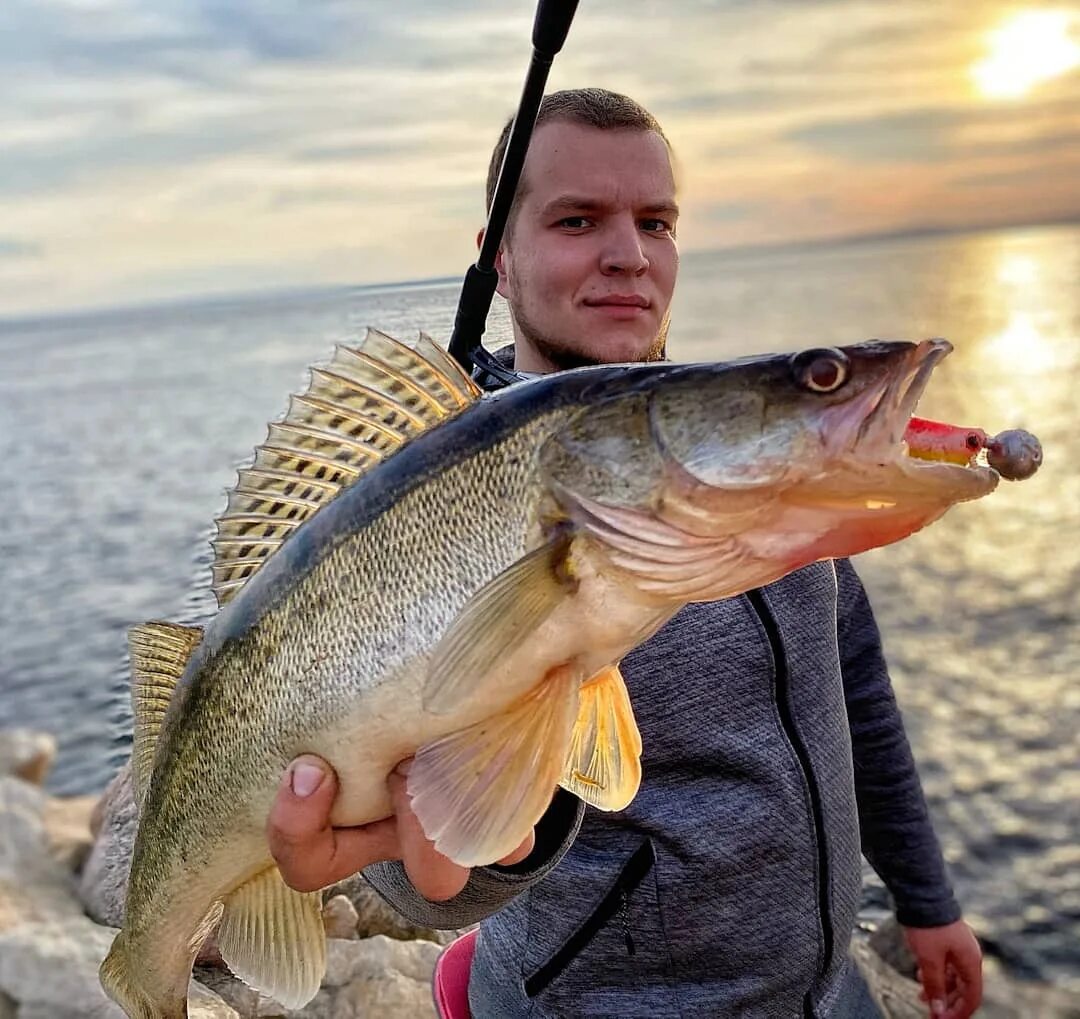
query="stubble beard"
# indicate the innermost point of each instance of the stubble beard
(565, 356)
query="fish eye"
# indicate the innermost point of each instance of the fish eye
(821, 371)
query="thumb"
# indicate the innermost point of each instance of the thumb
(304, 800)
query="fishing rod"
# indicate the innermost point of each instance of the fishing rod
(550, 28)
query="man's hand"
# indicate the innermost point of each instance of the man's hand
(950, 968)
(311, 854)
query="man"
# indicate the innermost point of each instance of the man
(729, 886)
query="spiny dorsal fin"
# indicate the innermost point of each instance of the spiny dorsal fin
(463, 389)
(358, 409)
(159, 654)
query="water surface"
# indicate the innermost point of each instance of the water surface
(120, 433)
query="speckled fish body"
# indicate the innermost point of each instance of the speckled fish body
(467, 601)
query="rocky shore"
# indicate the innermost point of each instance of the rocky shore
(63, 871)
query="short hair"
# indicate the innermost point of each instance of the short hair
(589, 107)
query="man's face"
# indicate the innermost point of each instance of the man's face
(588, 265)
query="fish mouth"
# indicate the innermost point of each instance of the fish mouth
(891, 405)
(878, 419)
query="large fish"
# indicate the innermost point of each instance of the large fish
(466, 599)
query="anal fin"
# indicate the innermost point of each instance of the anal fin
(478, 792)
(273, 938)
(604, 764)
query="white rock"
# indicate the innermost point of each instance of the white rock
(34, 887)
(388, 995)
(26, 754)
(347, 960)
(67, 825)
(51, 969)
(339, 917)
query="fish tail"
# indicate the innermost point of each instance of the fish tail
(121, 982)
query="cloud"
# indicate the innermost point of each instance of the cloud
(943, 133)
(155, 146)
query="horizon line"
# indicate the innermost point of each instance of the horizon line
(204, 299)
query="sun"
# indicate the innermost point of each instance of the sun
(1028, 48)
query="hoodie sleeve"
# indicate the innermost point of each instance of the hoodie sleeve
(897, 836)
(488, 888)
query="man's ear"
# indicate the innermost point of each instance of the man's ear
(500, 264)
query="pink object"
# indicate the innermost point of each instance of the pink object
(450, 982)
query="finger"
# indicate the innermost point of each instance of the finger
(434, 876)
(932, 972)
(309, 852)
(968, 962)
(521, 852)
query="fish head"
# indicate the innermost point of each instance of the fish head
(808, 450)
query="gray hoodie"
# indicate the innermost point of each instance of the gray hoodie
(729, 886)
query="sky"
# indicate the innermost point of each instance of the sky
(155, 149)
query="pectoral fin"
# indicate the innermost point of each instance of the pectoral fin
(273, 938)
(497, 619)
(478, 793)
(604, 764)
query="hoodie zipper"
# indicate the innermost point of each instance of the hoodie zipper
(613, 904)
(787, 722)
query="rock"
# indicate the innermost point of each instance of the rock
(376, 916)
(896, 996)
(103, 883)
(26, 754)
(889, 968)
(347, 960)
(340, 918)
(1004, 998)
(388, 995)
(51, 968)
(67, 826)
(889, 943)
(378, 976)
(247, 1002)
(33, 885)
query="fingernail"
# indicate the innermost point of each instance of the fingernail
(937, 1006)
(305, 779)
(404, 767)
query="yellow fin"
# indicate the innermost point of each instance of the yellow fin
(604, 764)
(357, 410)
(273, 938)
(495, 620)
(479, 792)
(159, 654)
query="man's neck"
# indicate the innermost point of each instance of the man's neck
(528, 359)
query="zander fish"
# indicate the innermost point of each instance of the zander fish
(411, 569)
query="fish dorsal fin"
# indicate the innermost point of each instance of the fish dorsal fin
(159, 654)
(358, 409)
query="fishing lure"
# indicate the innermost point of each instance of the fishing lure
(1014, 453)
